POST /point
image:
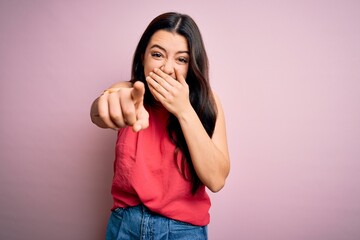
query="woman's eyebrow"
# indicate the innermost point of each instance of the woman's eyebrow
(158, 46)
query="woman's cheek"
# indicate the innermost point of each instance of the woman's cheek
(147, 71)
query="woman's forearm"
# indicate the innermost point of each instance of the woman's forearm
(209, 155)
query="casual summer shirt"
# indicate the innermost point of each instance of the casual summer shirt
(147, 170)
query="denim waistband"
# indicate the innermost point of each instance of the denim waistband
(139, 222)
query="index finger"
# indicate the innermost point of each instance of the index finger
(168, 78)
(179, 76)
(138, 91)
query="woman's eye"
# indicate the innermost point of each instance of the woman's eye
(183, 60)
(156, 55)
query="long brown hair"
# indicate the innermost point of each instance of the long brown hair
(197, 78)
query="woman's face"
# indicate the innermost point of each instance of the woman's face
(167, 51)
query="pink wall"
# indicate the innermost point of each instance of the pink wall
(288, 74)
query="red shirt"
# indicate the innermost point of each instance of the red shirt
(147, 172)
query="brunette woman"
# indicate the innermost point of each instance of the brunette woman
(171, 142)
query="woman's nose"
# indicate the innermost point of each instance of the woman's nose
(168, 68)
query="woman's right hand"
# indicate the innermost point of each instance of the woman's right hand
(120, 106)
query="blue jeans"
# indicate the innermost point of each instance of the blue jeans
(141, 224)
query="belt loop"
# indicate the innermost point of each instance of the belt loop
(143, 209)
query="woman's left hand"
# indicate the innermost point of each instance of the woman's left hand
(172, 93)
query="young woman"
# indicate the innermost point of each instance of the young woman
(171, 140)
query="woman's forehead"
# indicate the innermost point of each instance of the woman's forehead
(169, 41)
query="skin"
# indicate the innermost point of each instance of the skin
(166, 65)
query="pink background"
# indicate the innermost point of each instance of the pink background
(288, 74)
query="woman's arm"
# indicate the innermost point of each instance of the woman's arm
(209, 155)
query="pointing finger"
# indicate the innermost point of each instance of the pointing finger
(137, 94)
